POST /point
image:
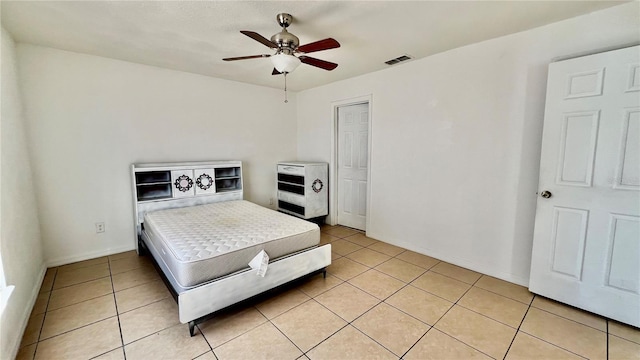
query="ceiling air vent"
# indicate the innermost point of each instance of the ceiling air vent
(398, 59)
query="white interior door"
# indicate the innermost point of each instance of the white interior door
(353, 155)
(586, 248)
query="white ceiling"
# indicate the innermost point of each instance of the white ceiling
(194, 36)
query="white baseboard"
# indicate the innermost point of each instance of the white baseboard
(15, 343)
(87, 256)
(463, 262)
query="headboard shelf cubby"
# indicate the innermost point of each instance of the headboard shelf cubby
(153, 185)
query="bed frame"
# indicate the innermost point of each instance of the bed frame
(162, 186)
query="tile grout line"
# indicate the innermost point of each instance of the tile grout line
(285, 335)
(624, 338)
(331, 288)
(141, 306)
(496, 293)
(607, 328)
(346, 325)
(409, 284)
(375, 267)
(490, 318)
(440, 318)
(81, 283)
(262, 323)
(376, 341)
(253, 305)
(209, 351)
(327, 338)
(151, 303)
(149, 335)
(446, 312)
(518, 329)
(431, 327)
(554, 345)
(529, 305)
(117, 313)
(80, 267)
(206, 340)
(44, 317)
(296, 345)
(380, 302)
(472, 286)
(359, 316)
(235, 337)
(74, 329)
(154, 302)
(572, 320)
(543, 340)
(76, 303)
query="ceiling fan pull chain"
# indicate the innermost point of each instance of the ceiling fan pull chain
(285, 88)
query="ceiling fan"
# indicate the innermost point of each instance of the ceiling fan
(286, 45)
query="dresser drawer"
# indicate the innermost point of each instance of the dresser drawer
(291, 188)
(291, 198)
(291, 170)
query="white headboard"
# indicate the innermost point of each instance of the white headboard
(172, 185)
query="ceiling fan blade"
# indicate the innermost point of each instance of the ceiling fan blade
(246, 57)
(328, 43)
(259, 38)
(318, 63)
(275, 72)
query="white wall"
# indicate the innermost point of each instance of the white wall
(20, 244)
(90, 118)
(456, 140)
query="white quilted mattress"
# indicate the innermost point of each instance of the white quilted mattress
(204, 242)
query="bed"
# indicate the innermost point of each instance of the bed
(202, 245)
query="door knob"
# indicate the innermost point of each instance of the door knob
(546, 194)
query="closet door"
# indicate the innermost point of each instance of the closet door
(353, 158)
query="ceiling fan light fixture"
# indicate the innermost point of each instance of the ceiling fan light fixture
(285, 63)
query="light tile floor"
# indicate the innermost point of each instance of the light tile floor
(378, 301)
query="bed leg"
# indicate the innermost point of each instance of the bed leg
(192, 327)
(141, 250)
(324, 273)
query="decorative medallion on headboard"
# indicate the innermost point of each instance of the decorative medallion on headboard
(183, 183)
(204, 181)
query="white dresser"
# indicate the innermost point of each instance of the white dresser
(303, 189)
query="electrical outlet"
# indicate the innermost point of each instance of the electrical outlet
(270, 201)
(99, 227)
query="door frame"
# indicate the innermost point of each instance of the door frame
(333, 163)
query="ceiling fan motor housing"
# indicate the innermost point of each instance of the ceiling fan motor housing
(287, 42)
